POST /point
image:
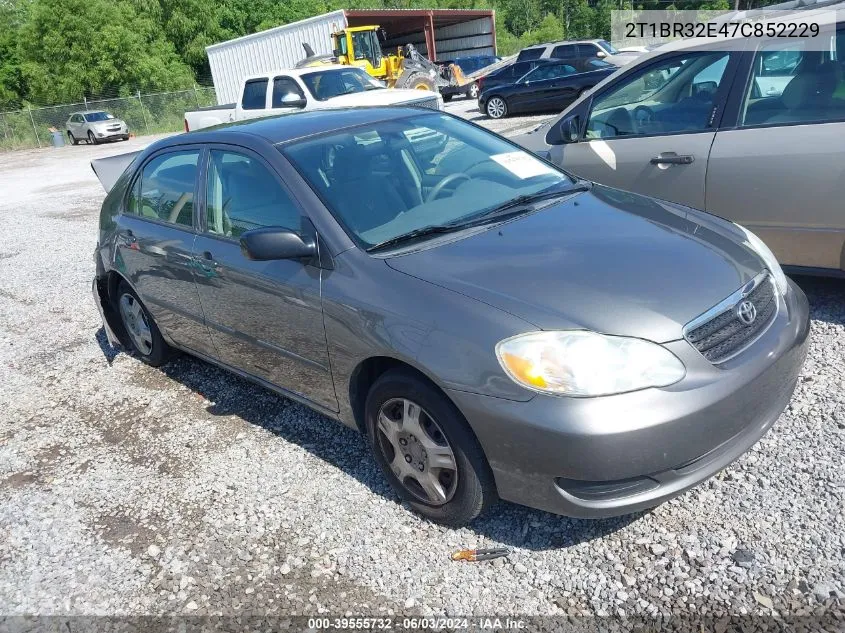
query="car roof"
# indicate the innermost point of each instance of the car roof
(88, 112)
(285, 128)
(298, 72)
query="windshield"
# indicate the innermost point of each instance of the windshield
(389, 178)
(92, 117)
(608, 47)
(326, 84)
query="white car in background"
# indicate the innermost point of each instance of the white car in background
(311, 88)
(95, 126)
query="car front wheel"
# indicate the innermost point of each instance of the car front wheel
(141, 330)
(426, 450)
(91, 138)
(497, 108)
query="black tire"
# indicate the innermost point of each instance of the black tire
(72, 138)
(447, 98)
(92, 140)
(472, 93)
(475, 490)
(160, 352)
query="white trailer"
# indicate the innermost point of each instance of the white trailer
(439, 34)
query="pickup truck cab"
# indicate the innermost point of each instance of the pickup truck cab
(312, 88)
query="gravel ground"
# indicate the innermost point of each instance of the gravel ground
(131, 490)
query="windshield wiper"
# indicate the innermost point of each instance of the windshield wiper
(510, 208)
(425, 231)
(521, 203)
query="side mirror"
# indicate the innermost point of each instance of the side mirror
(292, 100)
(274, 242)
(568, 130)
(336, 52)
(601, 54)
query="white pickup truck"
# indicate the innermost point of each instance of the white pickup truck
(312, 88)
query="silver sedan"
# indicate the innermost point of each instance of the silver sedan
(95, 127)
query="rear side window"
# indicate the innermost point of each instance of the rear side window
(165, 190)
(529, 53)
(565, 51)
(255, 94)
(790, 84)
(242, 195)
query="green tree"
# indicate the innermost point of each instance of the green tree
(71, 48)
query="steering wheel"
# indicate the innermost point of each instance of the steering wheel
(438, 188)
(643, 117)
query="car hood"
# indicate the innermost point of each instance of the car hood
(383, 96)
(605, 260)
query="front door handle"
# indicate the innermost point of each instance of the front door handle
(207, 263)
(671, 158)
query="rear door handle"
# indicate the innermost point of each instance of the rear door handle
(671, 158)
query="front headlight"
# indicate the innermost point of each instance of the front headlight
(759, 246)
(582, 363)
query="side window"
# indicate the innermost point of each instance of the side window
(588, 50)
(789, 84)
(242, 194)
(565, 52)
(165, 190)
(286, 92)
(529, 53)
(255, 95)
(672, 96)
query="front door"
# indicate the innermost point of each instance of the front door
(651, 131)
(265, 316)
(155, 239)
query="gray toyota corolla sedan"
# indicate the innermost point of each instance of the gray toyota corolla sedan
(496, 328)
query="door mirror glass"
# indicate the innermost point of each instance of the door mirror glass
(568, 130)
(292, 101)
(275, 242)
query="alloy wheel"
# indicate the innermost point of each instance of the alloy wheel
(473, 91)
(136, 323)
(496, 108)
(417, 451)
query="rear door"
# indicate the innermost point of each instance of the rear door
(155, 238)
(265, 316)
(778, 167)
(651, 130)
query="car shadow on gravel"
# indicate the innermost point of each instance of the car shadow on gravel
(826, 296)
(346, 449)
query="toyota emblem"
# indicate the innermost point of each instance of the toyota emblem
(746, 312)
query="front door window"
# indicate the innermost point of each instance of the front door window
(676, 95)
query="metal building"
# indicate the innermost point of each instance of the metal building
(440, 34)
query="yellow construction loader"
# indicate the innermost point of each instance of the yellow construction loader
(360, 46)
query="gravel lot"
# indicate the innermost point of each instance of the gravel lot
(131, 490)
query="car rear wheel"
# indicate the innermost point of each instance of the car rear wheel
(141, 330)
(426, 450)
(496, 108)
(473, 91)
(92, 139)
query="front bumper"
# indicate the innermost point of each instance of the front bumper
(599, 457)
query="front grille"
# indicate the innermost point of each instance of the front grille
(431, 102)
(725, 334)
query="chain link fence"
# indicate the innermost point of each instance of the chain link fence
(144, 114)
